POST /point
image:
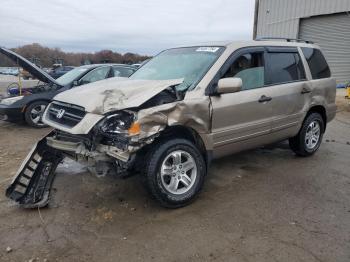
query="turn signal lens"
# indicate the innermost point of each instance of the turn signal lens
(134, 129)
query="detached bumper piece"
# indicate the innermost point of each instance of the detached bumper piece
(32, 184)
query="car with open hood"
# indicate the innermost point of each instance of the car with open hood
(28, 104)
(183, 108)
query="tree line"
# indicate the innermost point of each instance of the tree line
(46, 57)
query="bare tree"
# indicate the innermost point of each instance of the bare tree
(46, 56)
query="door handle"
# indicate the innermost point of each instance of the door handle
(305, 90)
(264, 98)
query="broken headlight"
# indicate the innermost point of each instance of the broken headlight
(119, 123)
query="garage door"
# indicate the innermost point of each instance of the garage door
(332, 33)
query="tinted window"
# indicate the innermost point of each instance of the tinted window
(250, 68)
(285, 67)
(317, 63)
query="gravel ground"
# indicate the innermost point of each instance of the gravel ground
(260, 205)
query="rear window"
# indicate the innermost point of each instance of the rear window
(284, 68)
(317, 63)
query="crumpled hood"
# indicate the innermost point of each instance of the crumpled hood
(114, 94)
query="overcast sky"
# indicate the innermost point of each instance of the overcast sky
(142, 26)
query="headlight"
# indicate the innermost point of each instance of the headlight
(10, 100)
(120, 123)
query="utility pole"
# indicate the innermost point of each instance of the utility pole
(256, 14)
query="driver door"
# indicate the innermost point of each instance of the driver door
(243, 119)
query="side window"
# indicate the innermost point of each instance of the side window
(317, 63)
(250, 68)
(284, 68)
(95, 75)
(122, 71)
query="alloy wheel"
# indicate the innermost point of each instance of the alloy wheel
(312, 135)
(178, 172)
(36, 114)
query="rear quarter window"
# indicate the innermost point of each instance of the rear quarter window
(317, 63)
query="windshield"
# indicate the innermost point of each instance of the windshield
(70, 76)
(189, 63)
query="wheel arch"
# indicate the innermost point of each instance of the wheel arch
(188, 133)
(24, 108)
(320, 110)
(179, 131)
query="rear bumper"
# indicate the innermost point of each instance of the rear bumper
(13, 114)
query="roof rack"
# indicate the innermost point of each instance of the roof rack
(283, 38)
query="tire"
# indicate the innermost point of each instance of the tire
(303, 146)
(174, 188)
(35, 109)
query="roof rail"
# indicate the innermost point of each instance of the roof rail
(286, 39)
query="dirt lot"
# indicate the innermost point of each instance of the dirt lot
(261, 205)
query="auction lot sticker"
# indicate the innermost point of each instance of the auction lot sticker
(211, 49)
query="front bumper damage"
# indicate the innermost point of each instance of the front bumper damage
(121, 156)
(32, 184)
(99, 158)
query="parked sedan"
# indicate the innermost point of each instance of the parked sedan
(29, 104)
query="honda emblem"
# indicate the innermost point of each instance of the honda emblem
(60, 113)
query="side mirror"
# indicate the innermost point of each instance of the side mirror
(229, 85)
(76, 83)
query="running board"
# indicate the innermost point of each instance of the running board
(32, 184)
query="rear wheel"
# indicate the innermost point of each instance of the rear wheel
(34, 113)
(309, 137)
(174, 172)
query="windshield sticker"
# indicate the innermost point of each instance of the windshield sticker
(208, 49)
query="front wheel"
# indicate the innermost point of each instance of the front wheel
(174, 172)
(34, 113)
(309, 138)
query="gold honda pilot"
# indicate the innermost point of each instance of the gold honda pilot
(179, 111)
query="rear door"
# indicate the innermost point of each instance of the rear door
(243, 117)
(290, 89)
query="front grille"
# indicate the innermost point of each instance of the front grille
(64, 136)
(65, 114)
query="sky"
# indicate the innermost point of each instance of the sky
(141, 26)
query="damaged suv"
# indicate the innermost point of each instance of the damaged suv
(182, 109)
